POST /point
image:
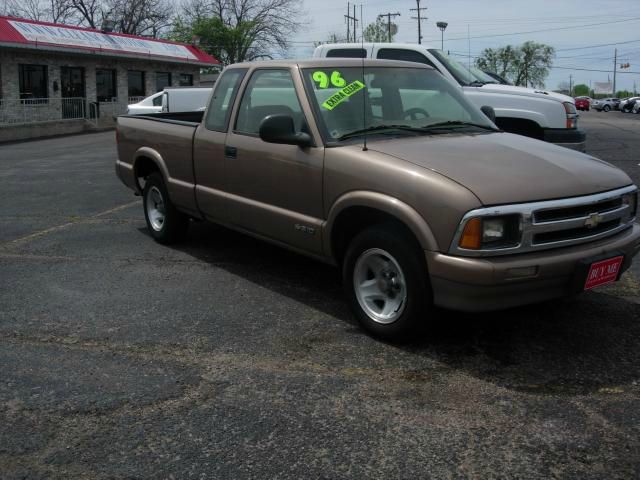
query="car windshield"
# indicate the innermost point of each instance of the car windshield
(389, 100)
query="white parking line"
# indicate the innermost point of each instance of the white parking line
(49, 230)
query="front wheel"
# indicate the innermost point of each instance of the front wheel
(166, 224)
(386, 282)
(606, 108)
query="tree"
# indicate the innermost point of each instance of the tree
(56, 11)
(377, 32)
(581, 90)
(331, 38)
(239, 30)
(525, 65)
(498, 60)
(140, 17)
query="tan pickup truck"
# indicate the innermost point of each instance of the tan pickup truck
(384, 169)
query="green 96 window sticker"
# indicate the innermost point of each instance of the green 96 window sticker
(322, 79)
(341, 95)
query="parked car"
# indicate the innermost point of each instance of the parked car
(616, 103)
(531, 112)
(636, 107)
(605, 104)
(179, 99)
(395, 177)
(151, 104)
(626, 106)
(583, 103)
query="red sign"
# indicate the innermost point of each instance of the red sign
(603, 272)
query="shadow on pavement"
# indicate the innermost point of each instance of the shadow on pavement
(570, 347)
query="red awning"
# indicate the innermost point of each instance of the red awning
(56, 37)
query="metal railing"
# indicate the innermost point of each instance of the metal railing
(37, 110)
(135, 100)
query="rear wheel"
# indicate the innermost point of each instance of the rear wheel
(606, 108)
(385, 280)
(166, 224)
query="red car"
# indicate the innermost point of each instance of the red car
(583, 103)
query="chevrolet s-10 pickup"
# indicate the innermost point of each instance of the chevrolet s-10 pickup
(385, 170)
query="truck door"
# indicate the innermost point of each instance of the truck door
(208, 147)
(275, 190)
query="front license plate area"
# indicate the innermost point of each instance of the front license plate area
(603, 272)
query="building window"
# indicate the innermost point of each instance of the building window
(186, 80)
(106, 90)
(136, 83)
(33, 81)
(163, 79)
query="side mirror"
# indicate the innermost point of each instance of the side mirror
(281, 129)
(489, 112)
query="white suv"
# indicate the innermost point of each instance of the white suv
(535, 113)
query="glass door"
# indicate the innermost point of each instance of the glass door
(73, 92)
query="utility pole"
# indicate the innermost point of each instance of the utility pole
(355, 22)
(570, 85)
(389, 15)
(420, 18)
(615, 67)
(349, 19)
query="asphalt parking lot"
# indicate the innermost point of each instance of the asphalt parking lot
(229, 358)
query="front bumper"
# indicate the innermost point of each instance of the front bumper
(565, 137)
(482, 284)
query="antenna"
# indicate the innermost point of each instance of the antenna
(364, 90)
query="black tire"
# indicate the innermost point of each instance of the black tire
(174, 224)
(391, 240)
(606, 108)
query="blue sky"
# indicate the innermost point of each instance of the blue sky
(567, 24)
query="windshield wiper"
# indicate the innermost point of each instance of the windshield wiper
(379, 128)
(476, 83)
(457, 123)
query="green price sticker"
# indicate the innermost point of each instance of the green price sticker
(341, 95)
(322, 79)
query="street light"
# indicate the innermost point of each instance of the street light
(442, 26)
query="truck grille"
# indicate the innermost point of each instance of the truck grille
(577, 211)
(560, 223)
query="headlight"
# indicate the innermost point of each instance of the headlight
(631, 199)
(482, 233)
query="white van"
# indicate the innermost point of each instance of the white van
(178, 99)
(535, 113)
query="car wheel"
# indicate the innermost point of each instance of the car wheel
(606, 108)
(386, 282)
(165, 223)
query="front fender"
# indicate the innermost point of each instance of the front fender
(384, 203)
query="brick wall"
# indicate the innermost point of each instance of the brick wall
(9, 73)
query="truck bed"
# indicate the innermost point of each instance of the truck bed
(167, 138)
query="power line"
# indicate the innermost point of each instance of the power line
(596, 46)
(550, 29)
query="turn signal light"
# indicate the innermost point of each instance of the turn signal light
(472, 235)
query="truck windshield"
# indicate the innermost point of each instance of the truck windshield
(396, 100)
(460, 72)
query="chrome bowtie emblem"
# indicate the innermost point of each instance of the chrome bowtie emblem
(593, 220)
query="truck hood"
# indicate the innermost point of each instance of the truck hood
(527, 92)
(502, 168)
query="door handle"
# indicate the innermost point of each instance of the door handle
(230, 152)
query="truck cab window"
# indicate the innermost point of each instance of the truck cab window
(222, 99)
(269, 92)
(347, 53)
(404, 55)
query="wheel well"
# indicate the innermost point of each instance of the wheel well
(353, 220)
(144, 167)
(520, 126)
